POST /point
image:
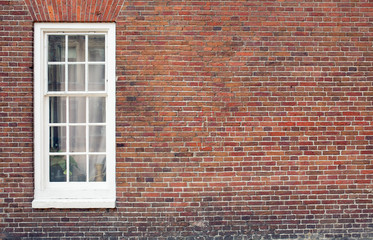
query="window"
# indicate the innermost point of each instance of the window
(74, 97)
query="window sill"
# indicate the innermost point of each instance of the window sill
(73, 203)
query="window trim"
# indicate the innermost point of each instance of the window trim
(77, 195)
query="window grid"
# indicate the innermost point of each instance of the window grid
(68, 94)
(101, 92)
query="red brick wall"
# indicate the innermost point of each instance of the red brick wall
(74, 10)
(16, 121)
(234, 119)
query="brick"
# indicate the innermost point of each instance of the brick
(234, 118)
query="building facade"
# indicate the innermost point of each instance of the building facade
(231, 119)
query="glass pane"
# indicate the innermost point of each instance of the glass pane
(57, 139)
(57, 171)
(77, 111)
(97, 168)
(56, 48)
(97, 139)
(77, 139)
(57, 109)
(96, 77)
(78, 166)
(56, 78)
(97, 110)
(76, 49)
(96, 48)
(76, 77)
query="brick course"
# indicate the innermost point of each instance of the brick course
(235, 120)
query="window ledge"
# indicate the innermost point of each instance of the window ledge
(73, 203)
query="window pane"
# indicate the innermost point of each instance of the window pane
(97, 140)
(57, 109)
(57, 168)
(76, 74)
(96, 77)
(57, 139)
(97, 168)
(56, 78)
(77, 139)
(97, 110)
(56, 48)
(77, 111)
(78, 166)
(76, 48)
(96, 48)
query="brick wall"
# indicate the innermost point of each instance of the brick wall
(16, 120)
(235, 120)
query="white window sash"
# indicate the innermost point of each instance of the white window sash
(71, 194)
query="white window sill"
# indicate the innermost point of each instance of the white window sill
(73, 203)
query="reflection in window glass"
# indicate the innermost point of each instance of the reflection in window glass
(96, 77)
(57, 168)
(56, 48)
(76, 74)
(57, 109)
(97, 168)
(57, 139)
(76, 51)
(77, 139)
(56, 78)
(97, 140)
(77, 111)
(96, 48)
(78, 166)
(97, 110)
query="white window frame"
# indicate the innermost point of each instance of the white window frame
(71, 194)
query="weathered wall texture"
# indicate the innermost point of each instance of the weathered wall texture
(235, 119)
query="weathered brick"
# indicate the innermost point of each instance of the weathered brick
(234, 118)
